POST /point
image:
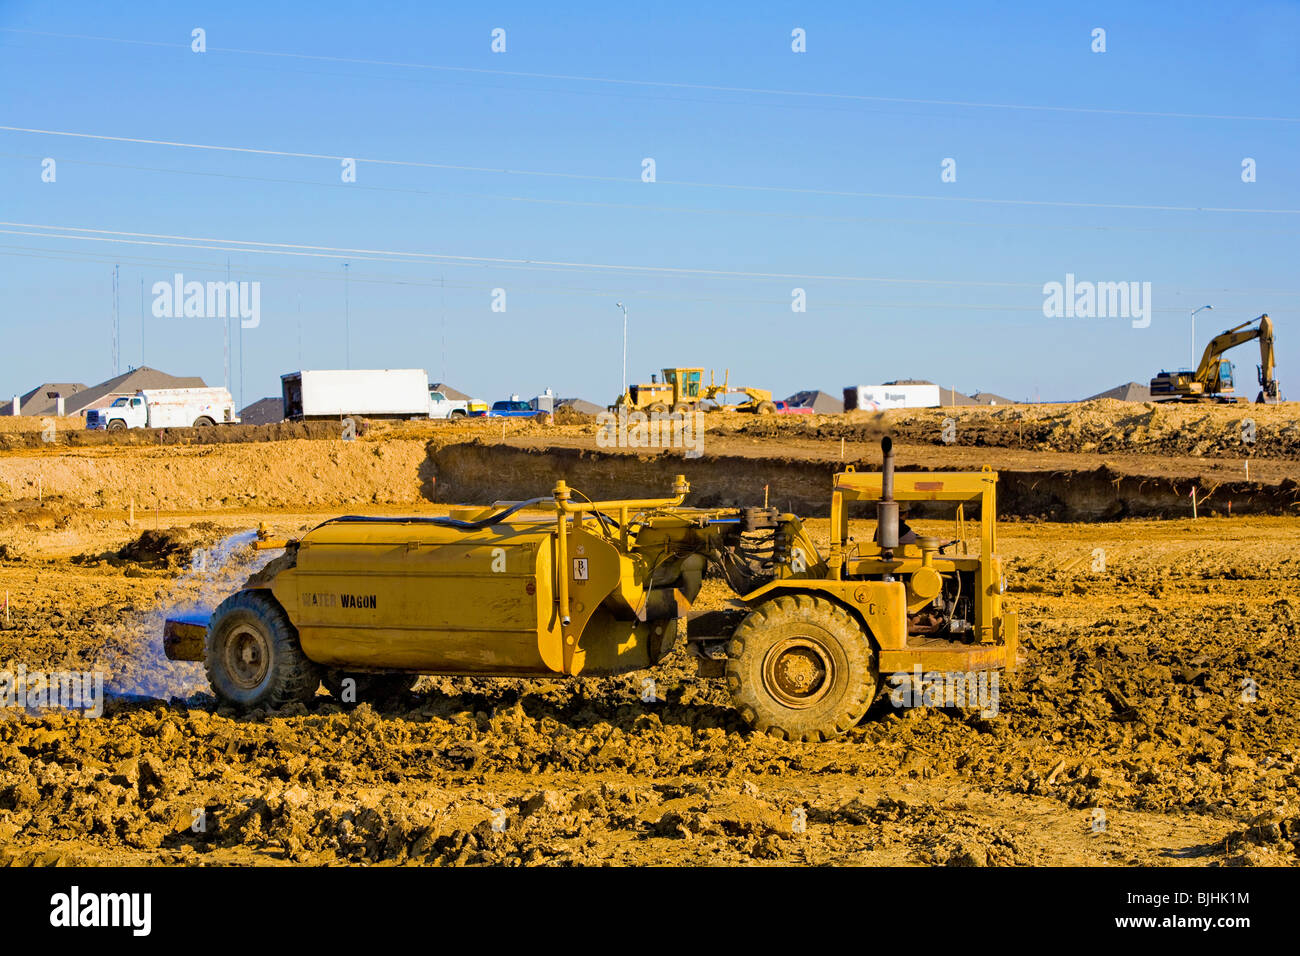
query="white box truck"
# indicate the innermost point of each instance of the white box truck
(166, 408)
(363, 393)
(874, 398)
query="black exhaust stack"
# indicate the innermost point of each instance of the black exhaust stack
(887, 507)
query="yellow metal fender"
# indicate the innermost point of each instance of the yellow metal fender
(882, 605)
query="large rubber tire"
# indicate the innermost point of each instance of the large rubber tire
(116, 425)
(658, 408)
(203, 422)
(802, 668)
(766, 408)
(458, 413)
(252, 655)
(683, 408)
(378, 690)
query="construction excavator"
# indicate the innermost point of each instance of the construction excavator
(1211, 381)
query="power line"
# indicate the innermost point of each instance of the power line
(822, 305)
(256, 247)
(335, 252)
(603, 293)
(648, 207)
(743, 187)
(677, 85)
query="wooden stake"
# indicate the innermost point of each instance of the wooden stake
(6, 609)
(1248, 469)
(130, 515)
(765, 491)
(1193, 502)
(841, 448)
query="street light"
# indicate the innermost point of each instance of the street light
(1192, 351)
(624, 308)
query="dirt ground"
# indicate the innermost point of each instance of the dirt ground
(1154, 717)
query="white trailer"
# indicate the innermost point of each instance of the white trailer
(166, 408)
(364, 393)
(878, 397)
(544, 402)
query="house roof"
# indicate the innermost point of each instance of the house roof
(128, 383)
(1128, 392)
(43, 399)
(988, 398)
(454, 394)
(818, 401)
(579, 405)
(264, 411)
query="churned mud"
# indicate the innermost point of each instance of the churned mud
(1153, 720)
(1154, 717)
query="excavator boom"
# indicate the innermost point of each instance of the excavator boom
(1267, 383)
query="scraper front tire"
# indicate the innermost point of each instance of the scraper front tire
(252, 655)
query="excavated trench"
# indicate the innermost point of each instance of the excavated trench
(478, 471)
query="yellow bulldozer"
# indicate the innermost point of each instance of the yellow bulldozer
(562, 585)
(1211, 380)
(683, 390)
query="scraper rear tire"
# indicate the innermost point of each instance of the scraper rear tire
(801, 668)
(252, 655)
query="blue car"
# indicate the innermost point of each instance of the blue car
(511, 408)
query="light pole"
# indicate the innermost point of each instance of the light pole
(347, 320)
(624, 308)
(1192, 352)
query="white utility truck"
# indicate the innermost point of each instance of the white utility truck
(440, 406)
(166, 408)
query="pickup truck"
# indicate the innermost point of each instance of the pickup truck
(511, 408)
(166, 408)
(440, 406)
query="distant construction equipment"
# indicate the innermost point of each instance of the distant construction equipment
(683, 390)
(1211, 381)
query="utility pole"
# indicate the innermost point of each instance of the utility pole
(347, 321)
(241, 349)
(624, 308)
(225, 335)
(117, 326)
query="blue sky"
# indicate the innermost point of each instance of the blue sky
(838, 192)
